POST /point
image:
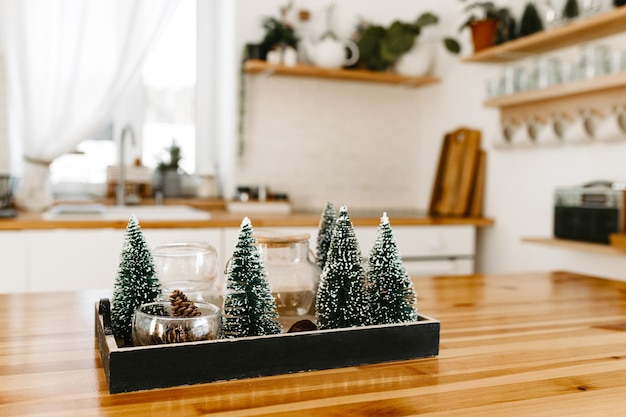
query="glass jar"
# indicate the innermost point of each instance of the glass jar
(291, 274)
(190, 267)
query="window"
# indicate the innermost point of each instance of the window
(169, 84)
(84, 171)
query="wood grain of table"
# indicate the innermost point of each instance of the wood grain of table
(529, 344)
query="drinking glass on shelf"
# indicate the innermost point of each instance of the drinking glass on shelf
(618, 61)
(539, 76)
(556, 71)
(591, 7)
(601, 60)
(494, 87)
(585, 66)
(190, 267)
(515, 79)
(551, 15)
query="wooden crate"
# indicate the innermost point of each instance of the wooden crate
(147, 367)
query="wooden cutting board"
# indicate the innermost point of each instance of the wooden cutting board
(456, 172)
(477, 197)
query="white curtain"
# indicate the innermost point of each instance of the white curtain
(68, 62)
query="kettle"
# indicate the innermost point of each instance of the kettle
(330, 52)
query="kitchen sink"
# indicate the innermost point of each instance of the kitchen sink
(102, 212)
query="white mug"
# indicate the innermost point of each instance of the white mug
(544, 133)
(273, 57)
(578, 130)
(515, 134)
(612, 127)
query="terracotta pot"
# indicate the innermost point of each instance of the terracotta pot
(483, 34)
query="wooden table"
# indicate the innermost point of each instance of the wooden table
(537, 344)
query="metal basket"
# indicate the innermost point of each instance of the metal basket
(7, 187)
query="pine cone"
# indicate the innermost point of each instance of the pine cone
(302, 326)
(176, 335)
(182, 306)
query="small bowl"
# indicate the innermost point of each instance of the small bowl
(154, 324)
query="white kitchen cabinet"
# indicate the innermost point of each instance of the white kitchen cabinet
(424, 241)
(425, 250)
(429, 250)
(77, 259)
(14, 262)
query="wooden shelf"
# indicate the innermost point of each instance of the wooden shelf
(597, 248)
(618, 241)
(595, 27)
(605, 82)
(262, 67)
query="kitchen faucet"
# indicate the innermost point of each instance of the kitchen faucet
(121, 179)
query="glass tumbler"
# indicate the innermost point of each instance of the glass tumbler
(290, 272)
(190, 267)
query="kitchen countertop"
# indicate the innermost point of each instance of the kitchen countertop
(529, 344)
(220, 217)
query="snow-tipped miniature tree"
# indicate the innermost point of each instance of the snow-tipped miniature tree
(249, 309)
(343, 294)
(392, 293)
(325, 233)
(136, 282)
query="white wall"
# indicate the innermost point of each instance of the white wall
(347, 142)
(376, 146)
(4, 140)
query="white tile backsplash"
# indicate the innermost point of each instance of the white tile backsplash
(341, 141)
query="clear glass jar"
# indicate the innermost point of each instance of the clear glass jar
(190, 267)
(291, 274)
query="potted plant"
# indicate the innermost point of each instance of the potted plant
(167, 175)
(380, 47)
(280, 38)
(483, 18)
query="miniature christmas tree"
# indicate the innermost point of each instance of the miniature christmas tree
(327, 222)
(136, 282)
(392, 292)
(571, 9)
(343, 297)
(249, 308)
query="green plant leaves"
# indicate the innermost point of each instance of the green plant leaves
(380, 47)
(426, 19)
(369, 48)
(398, 40)
(452, 45)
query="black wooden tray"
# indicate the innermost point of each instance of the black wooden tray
(147, 367)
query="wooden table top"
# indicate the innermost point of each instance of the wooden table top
(536, 344)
